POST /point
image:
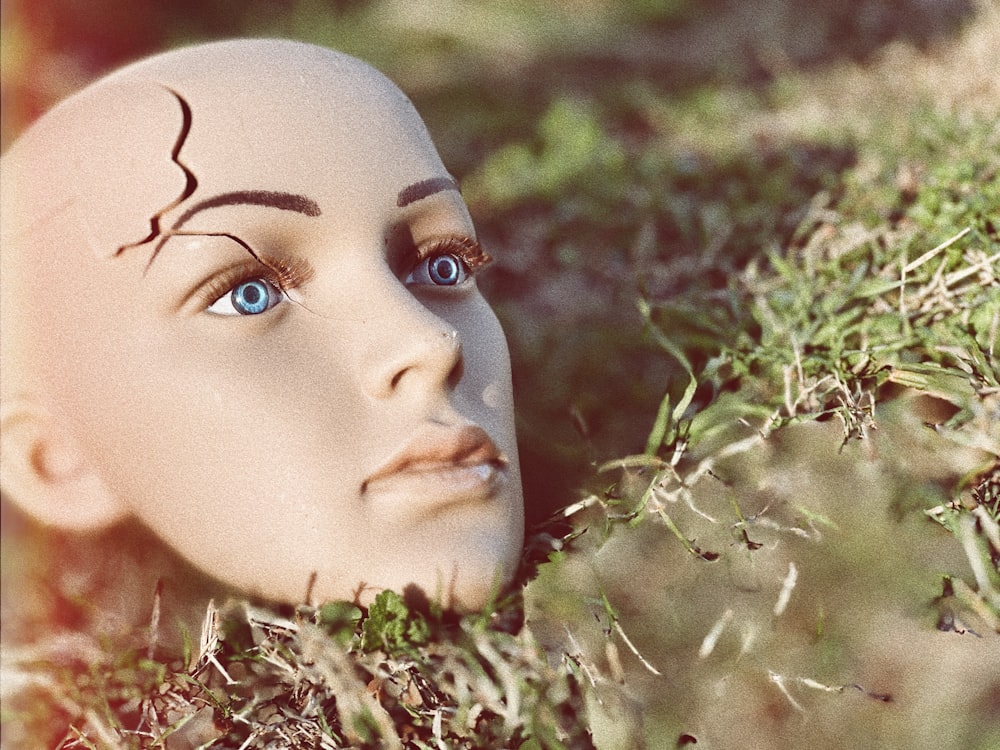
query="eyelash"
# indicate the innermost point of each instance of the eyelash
(468, 250)
(282, 274)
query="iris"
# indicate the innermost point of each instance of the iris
(445, 270)
(255, 296)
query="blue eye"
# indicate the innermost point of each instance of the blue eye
(439, 270)
(250, 297)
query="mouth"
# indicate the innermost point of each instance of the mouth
(441, 465)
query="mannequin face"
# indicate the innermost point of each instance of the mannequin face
(262, 325)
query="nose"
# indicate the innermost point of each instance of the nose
(411, 349)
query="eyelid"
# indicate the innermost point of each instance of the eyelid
(467, 249)
(284, 274)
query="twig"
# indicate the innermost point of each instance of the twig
(633, 649)
(779, 680)
(154, 621)
(708, 644)
(787, 587)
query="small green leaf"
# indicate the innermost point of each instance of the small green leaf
(934, 380)
(392, 627)
(340, 619)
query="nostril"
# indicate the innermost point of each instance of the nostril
(434, 360)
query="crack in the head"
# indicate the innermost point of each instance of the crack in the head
(229, 236)
(191, 182)
(242, 243)
(156, 232)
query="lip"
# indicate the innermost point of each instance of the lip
(441, 465)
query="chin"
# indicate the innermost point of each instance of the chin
(467, 588)
(473, 593)
(481, 581)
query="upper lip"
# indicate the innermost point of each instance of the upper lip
(437, 447)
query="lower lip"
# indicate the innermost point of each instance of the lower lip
(439, 488)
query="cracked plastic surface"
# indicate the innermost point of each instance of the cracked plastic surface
(190, 182)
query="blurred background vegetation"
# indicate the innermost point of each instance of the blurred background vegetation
(703, 215)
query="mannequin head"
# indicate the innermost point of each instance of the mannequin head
(239, 306)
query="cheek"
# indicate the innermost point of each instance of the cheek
(201, 436)
(487, 359)
(485, 392)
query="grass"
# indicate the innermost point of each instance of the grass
(766, 389)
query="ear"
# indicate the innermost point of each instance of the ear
(44, 471)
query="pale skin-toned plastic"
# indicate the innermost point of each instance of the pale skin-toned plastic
(239, 306)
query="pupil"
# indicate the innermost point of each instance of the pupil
(444, 270)
(251, 297)
(251, 294)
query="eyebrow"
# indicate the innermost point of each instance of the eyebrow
(273, 199)
(270, 198)
(424, 189)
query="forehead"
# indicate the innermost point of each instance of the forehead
(243, 115)
(311, 120)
